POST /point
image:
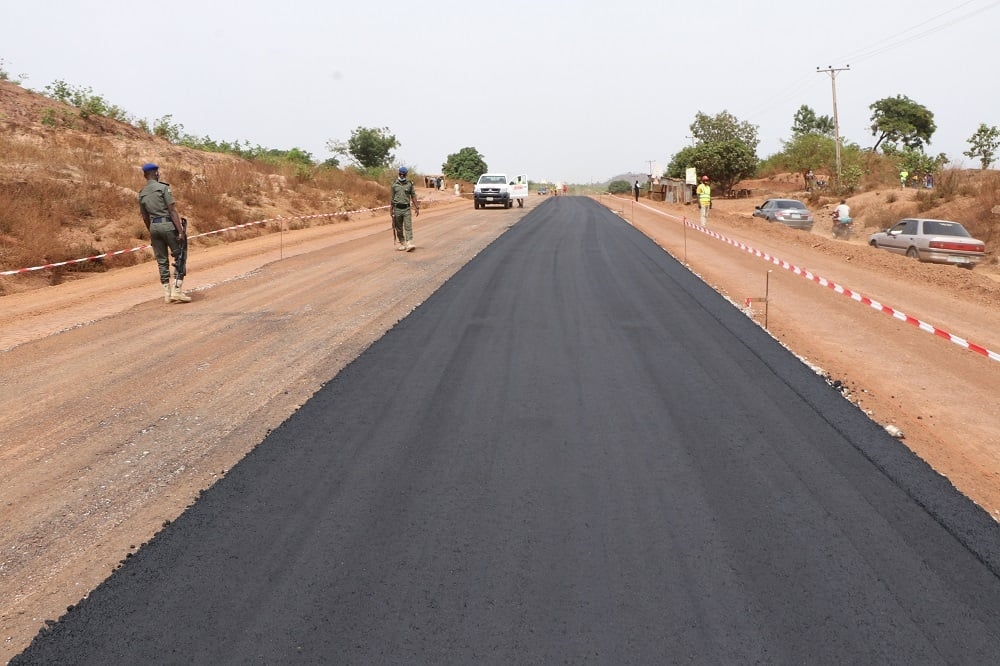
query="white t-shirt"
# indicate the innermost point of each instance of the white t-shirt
(843, 212)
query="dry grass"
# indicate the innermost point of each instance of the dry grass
(66, 194)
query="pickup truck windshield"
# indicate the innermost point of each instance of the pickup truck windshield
(493, 180)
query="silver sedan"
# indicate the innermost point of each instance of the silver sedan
(935, 241)
(790, 212)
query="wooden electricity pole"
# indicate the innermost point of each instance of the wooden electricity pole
(832, 71)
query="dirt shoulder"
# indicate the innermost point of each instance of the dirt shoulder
(118, 410)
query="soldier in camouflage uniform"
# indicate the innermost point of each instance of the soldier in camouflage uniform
(403, 195)
(159, 213)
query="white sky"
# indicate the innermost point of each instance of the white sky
(575, 91)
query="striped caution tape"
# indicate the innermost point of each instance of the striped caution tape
(140, 248)
(840, 289)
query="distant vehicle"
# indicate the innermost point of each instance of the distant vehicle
(543, 190)
(790, 212)
(496, 189)
(933, 241)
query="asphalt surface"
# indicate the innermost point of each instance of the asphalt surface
(573, 452)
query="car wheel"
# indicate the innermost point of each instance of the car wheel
(873, 243)
(912, 253)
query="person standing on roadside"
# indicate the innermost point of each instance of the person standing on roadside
(166, 232)
(704, 193)
(403, 197)
(635, 188)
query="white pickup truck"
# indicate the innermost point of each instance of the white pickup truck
(495, 189)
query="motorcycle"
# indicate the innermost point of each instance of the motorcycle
(843, 227)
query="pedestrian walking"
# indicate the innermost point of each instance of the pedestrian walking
(635, 188)
(166, 232)
(403, 197)
(902, 179)
(704, 192)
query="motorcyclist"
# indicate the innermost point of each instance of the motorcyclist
(842, 219)
(843, 211)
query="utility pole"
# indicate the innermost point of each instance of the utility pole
(832, 71)
(650, 162)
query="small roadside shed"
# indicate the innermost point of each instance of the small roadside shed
(671, 190)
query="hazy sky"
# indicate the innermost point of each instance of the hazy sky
(576, 91)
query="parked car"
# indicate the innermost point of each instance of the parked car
(543, 190)
(935, 241)
(790, 212)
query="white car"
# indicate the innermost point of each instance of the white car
(935, 241)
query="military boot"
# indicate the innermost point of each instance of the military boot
(177, 294)
(166, 292)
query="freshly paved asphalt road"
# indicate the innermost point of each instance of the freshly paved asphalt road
(574, 452)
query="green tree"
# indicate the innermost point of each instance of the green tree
(807, 122)
(723, 127)
(983, 145)
(369, 147)
(900, 119)
(619, 187)
(810, 152)
(726, 162)
(467, 164)
(918, 163)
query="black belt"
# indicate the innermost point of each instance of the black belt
(161, 219)
(401, 205)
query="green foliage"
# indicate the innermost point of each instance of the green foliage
(918, 163)
(810, 151)
(901, 120)
(331, 163)
(295, 156)
(5, 75)
(85, 100)
(681, 160)
(369, 147)
(165, 128)
(851, 176)
(983, 145)
(49, 118)
(726, 162)
(619, 187)
(467, 164)
(807, 122)
(724, 127)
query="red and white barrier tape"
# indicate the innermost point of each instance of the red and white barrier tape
(207, 233)
(853, 295)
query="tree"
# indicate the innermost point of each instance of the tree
(810, 152)
(900, 119)
(725, 162)
(723, 127)
(807, 122)
(370, 147)
(918, 163)
(619, 187)
(983, 145)
(467, 164)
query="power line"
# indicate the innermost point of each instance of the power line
(888, 44)
(885, 45)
